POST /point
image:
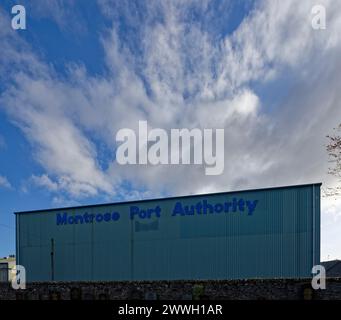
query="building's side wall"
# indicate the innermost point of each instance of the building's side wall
(280, 239)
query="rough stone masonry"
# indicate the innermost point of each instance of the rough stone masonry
(270, 289)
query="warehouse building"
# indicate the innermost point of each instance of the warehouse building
(262, 233)
(7, 266)
(333, 268)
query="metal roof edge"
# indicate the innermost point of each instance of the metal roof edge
(168, 198)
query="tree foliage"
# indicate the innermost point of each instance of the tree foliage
(334, 152)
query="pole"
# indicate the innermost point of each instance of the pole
(52, 259)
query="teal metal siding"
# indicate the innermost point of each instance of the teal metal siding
(281, 239)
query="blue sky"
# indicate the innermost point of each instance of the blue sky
(84, 69)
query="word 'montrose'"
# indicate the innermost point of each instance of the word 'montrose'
(156, 147)
(63, 219)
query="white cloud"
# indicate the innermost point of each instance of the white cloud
(63, 12)
(45, 182)
(61, 147)
(330, 229)
(186, 77)
(4, 183)
(60, 201)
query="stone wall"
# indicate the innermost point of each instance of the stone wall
(283, 289)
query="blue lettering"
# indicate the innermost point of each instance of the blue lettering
(115, 216)
(227, 206)
(207, 206)
(61, 219)
(241, 205)
(178, 209)
(86, 218)
(133, 211)
(251, 205)
(71, 220)
(158, 211)
(198, 207)
(99, 217)
(142, 214)
(204, 207)
(201, 207)
(218, 208)
(64, 219)
(189, 210)
(107, 217)
(234, 205)
(78, 218)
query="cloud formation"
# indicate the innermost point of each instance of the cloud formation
(271, 81)
(260, 82)
(4, 183)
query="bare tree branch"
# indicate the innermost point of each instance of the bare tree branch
(334, 151)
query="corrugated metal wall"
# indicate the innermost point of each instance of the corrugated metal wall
(281, 239)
